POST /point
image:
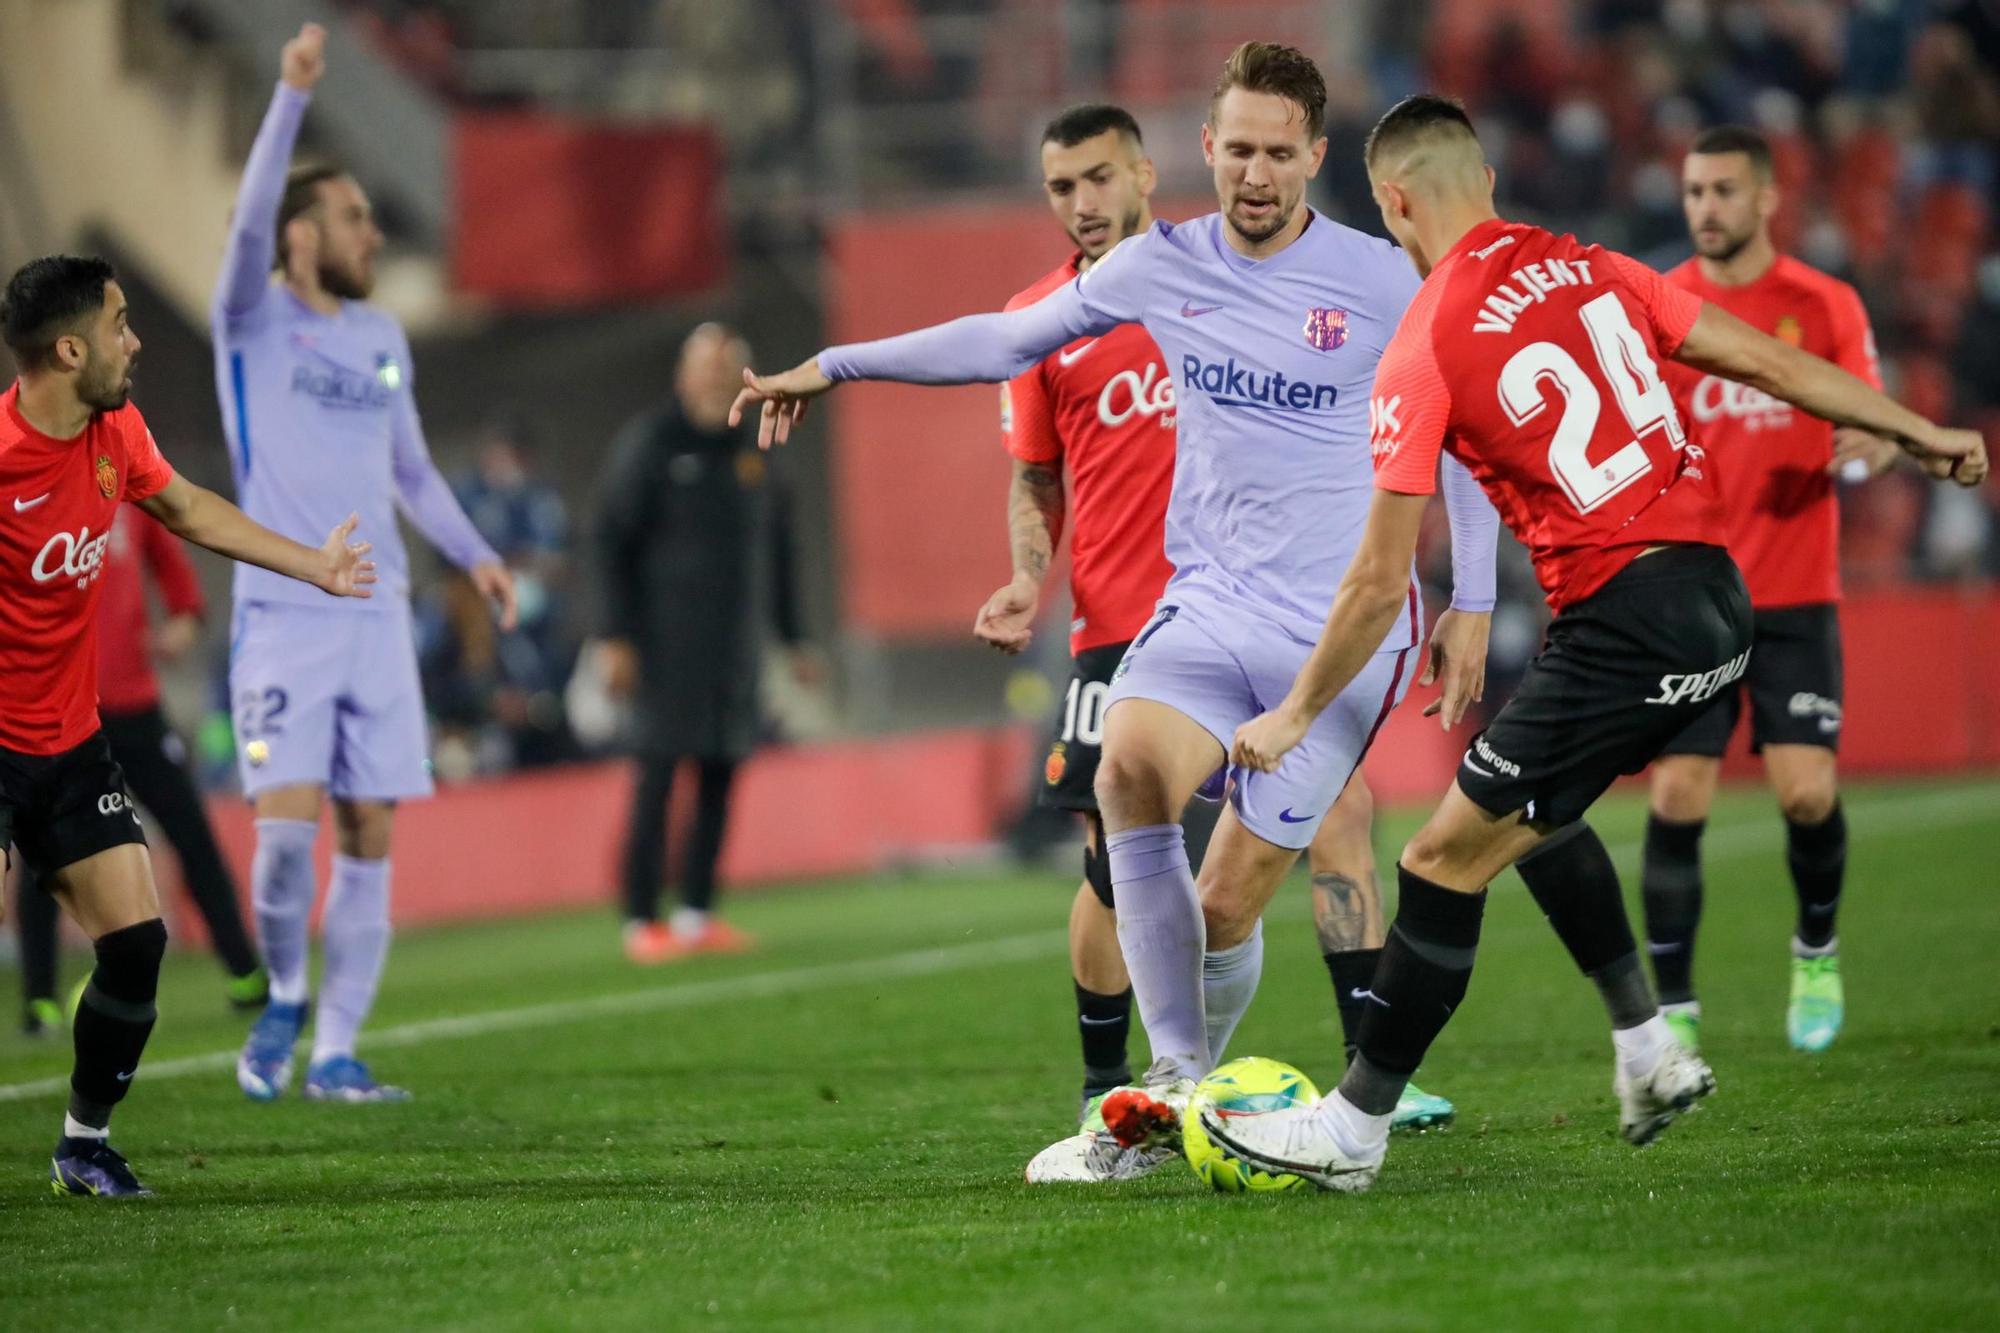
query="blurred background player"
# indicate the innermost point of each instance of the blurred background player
(1653, 620)
(1273, 316)
(152, 755)
(319, 410)
(1103, 408)
(694, 558)
(1776, 467)
(72, 448)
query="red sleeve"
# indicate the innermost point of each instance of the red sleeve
(1853, 339)
(147, 472)
(1410, 407)
(167, 561)
(1027, 419)
(1672, 309)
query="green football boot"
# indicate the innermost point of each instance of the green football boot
(1813, 1018)
(1417, 1111)
(1684, 1021)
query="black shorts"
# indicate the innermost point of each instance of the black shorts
(1793, 684)
(1069, 777)
(60, 808)
(1622, 672)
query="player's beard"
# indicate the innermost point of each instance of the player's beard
(1723, 245)
(1128, 226)
(1279, 219)
(105, 391)
(350, 282)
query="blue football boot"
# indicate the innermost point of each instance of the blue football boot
(342, 1078)
(92, 1168)
(264, 1069)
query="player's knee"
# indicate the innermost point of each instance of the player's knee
(128, 962)
(1809, 801)
(1130, 792)
(1680, 796)
(1354, 812)
(361, 828)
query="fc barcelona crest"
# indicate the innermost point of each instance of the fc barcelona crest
(1326, 329)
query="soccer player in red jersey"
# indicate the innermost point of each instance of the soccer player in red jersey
(152, 756)
(1535, 361)
(72, 449)
(1775, 467)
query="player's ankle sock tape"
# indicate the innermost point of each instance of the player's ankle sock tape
(1229, 980)
(1097, 870)
(1817, 854)
(1425, 968)
(282, 886)
(1574, 883)
(114, 1018)
(1353, 973)
(1105, 1023)
(1670, 888)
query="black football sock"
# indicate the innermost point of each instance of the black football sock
(1353, 972)
(37, 925)
(1818, 857)
(114, 1019)
(1670, 888)
(1105, 1023)
(1421, 979)
(1576, 886)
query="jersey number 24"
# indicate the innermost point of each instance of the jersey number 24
(1636, 386)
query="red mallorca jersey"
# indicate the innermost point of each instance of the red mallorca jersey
(1769, 458)
(58, 500)
(1535, 361)
(139, 548)
(1104, 408)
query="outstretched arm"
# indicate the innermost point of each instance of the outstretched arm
(975, 349)
(1369, 599)
(246, 263)
(339, 568)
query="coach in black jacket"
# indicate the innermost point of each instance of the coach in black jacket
(693, 554)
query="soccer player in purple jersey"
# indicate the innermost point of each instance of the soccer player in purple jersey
(317, 405)
(1272, 318)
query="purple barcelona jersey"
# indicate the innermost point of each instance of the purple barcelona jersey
(1272, 362)
(318, 409)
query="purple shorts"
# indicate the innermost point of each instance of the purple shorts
(1222, 680)
(328, 697)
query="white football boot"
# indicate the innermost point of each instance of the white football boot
(1094, 1156)
(1295, 1141)
(1148, 1113)
(1649, 1103)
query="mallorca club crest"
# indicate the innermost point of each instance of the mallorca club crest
(107, 477)
(1326, 329)
(1058, 764)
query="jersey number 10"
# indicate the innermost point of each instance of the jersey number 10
(1635, 383)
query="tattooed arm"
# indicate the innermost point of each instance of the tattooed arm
(1036, 509)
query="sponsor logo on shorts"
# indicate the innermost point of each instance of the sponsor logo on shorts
(1807, 704)
(1700, 686)
(1501, 763)
(112, 802)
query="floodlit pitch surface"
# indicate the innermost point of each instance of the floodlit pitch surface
(831, 1132)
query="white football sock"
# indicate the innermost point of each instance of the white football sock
(1160, 931)
(1228, 983)
(1640, 1048)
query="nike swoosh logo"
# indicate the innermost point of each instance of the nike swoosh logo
(1068, 355)
(1088, 1021)
(1285, 816)
(1356, 993)
(1483, 772)
(126, 1078)
(1189, 309)
(23, 506)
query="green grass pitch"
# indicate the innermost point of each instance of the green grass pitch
(830, 1133)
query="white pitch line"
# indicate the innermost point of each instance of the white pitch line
(754, 986)
(1905, 814)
